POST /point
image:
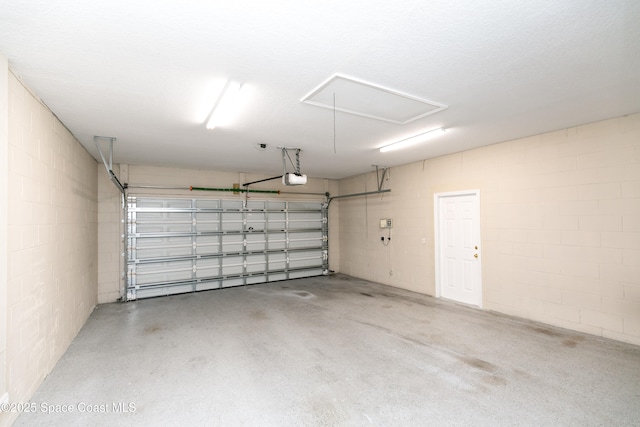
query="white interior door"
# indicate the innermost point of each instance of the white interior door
(458, 272)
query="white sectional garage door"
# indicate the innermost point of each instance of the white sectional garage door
(187, 245)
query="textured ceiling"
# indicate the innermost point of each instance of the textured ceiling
(141, 70)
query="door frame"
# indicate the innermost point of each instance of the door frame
(437, 199)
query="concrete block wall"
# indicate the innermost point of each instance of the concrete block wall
(110, 243)
(560, 226)
(4, 199)
(52, 242)
(111, 246)
(363, 253)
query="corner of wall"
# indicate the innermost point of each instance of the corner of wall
(109, 240)
(52, 241)
(4, 167)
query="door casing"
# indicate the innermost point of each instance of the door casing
(438, 199)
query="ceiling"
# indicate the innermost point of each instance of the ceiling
(142, 71)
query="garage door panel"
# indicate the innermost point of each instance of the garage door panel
(164, 252)
(256, 242)
(208, 221)
(232, 204)
(301, 205)
(232, 243)
(277, 240)
(157, 228)
(305, 240)
(160, 291)
(208, 285)
(254, 204)
(156, 203)
(305, 259)
(154, 242)
(232, 265)
(307, 273)
(207, 204)
(302, 222)
(233, 282)
(163, 272)
(252, 280)
(232, 222)
(208, 245)
(277, 221)
(275, 277)
(256, 263)
(163, 247)
(277, 261)
(208, 267)
(187, 245)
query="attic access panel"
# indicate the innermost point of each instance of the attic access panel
(369, 100)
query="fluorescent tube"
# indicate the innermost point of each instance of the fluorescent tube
(416, 139)
(225, 105)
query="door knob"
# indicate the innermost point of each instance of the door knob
(475, 255)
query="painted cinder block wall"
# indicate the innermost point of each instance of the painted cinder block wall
(560, 226)
(110, 242)
(4, 199)
(52, 242)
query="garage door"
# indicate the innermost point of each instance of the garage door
(188, 245)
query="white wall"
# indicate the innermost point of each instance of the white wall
(560, 226)
(52, 242)
(4, 165)
(110, 244)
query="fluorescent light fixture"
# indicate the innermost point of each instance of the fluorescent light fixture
(412, 140)
(224, 107)
(208, 96)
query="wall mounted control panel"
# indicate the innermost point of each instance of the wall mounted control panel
(386, 223)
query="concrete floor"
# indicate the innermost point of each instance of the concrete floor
(332, 351)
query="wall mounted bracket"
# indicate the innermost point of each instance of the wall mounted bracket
(379, 179)
(109, 166)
